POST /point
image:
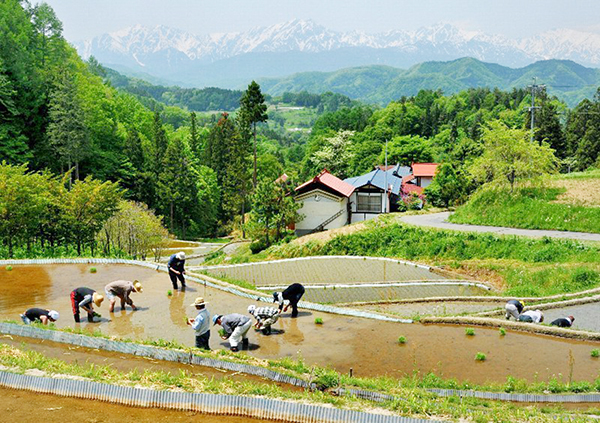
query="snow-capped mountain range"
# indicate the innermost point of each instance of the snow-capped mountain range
(301, 45)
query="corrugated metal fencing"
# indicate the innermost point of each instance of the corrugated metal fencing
(263, 408)
(231, 290)
(504, 396)
(149, 351)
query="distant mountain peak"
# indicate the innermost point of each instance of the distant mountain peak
(163, 51)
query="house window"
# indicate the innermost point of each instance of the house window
(368, 202)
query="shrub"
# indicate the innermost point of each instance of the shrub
(595, 353)
(93, 270)
(480, 356)
(9, 267)
(502, 331)
(402, 340)
(258, 245)
(318, 321)
(470, 332)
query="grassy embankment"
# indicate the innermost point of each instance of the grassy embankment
(565, 202)
(412, 399)
(518, 266)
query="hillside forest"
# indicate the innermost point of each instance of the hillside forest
(86, 152)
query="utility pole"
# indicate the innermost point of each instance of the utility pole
(534, 87)
(385, 207)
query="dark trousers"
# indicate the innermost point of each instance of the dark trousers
(174, 277)
(75, 306)
(202, 340)
(294, 303)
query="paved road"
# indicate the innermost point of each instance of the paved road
(440, 220)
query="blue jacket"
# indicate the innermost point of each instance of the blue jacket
(175, 263)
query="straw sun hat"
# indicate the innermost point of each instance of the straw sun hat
(97, 299)
(199, 302)
(138, 286)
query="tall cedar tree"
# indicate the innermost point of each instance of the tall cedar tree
(194, 136)
(253, 110)
(67, 132)
(177, 187)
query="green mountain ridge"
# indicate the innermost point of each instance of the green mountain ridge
(566, 79)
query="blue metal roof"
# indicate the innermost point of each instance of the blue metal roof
(377, 177)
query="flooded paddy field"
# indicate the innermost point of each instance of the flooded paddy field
(367, 346)
(326, 270)
(30, 407)
(587, 316)
(436, 308)
(372, 292)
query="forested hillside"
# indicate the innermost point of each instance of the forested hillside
(381, 84)
(69, 125)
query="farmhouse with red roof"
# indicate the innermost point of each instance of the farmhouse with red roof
(324, 203)
(328, 202)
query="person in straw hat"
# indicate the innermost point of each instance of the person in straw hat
(123, 290)
(176, 269)
(201, 324)
(84, 298)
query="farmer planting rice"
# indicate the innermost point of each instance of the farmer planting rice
(265, 317)
(235, 327)
(39, 315)
(201, 324)
(176, 269)
(532, 316)
(292, 294)
(123, 290)
(83, 298)
(513, 308)
(563, 322)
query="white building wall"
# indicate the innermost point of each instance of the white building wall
(317, 207)
(426, 181)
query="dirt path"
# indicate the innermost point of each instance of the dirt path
(440, 220)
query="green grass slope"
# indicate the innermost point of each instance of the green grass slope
(533, 207)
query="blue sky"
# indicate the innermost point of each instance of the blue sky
(84, 19)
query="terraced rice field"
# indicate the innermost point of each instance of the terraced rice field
(326, 271)
(441, 308)
(349, 294)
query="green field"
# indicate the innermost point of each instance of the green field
(565, 202)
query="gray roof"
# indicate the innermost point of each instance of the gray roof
(376, 178)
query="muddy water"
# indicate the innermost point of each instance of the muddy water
(367, 346)
(437, 308)
(125, 362)
(31, 407)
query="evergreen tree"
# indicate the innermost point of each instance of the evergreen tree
(67, 133)
(253, 110)
(177, 188)
(159, 144)
(194, 137)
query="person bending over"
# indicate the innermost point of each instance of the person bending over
(513, 308)
(532, 316)
(176, 266)
(122, 290)
(292, 294)
(39, 315)
(84, 298)
(563, 322)
(235, 327)
(265, 317)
